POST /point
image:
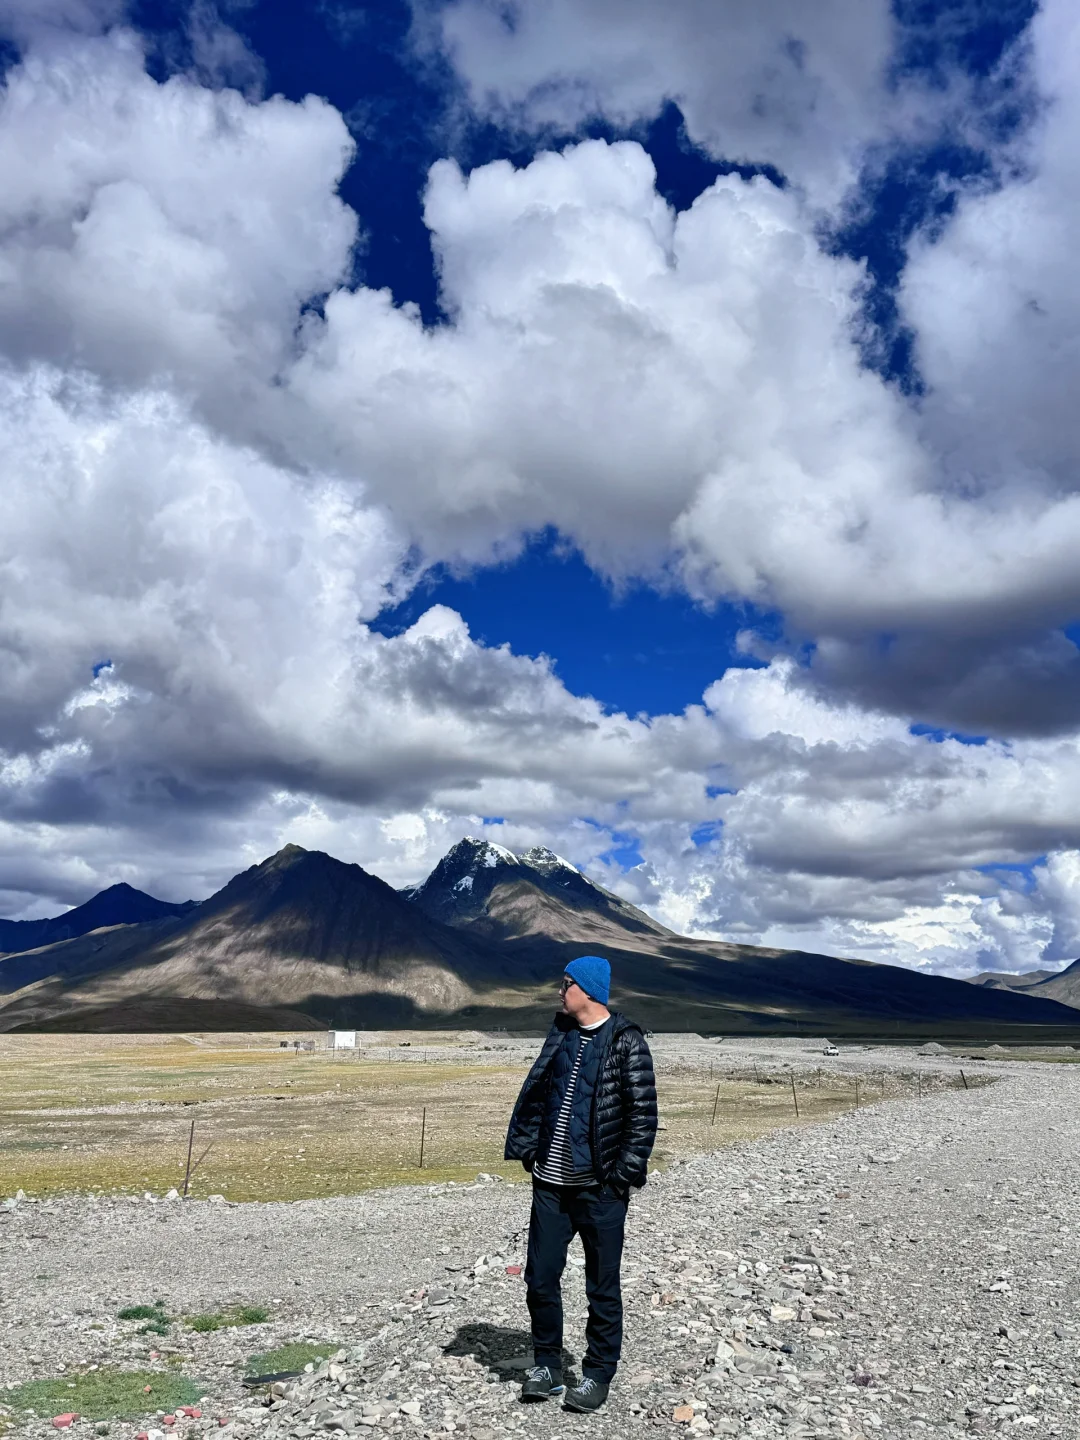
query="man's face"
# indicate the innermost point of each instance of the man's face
(573, 999)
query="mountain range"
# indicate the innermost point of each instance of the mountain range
(118, 905)
(303, 940)
(1063, 985)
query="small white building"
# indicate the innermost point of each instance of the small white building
(341, 1040)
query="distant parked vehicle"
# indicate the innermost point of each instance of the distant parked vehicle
(831, 1050)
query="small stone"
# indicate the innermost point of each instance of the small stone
(410, 1407)
(724, 1358)
(683, 1414)
(513, 1269)
(61, 1422)
(329, 1419)
(438, 1296)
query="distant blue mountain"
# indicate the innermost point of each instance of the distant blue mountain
(118, 905)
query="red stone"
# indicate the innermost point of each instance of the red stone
(513, 1269)
(168, 1419)
(61, 1422)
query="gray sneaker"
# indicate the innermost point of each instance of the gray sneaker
(587, 1396)
(541, 1383)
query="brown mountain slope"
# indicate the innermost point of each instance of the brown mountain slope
(1007, 980)
(710, 986)
(543, 914)
(303, 933)
(1063, 986)
(301, 930)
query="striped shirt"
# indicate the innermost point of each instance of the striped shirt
(557, 1167)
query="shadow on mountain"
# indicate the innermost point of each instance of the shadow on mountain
(305, 939)
(118, 905)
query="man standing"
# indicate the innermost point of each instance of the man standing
(584, 1125)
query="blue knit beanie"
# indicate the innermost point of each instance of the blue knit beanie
(593, 974)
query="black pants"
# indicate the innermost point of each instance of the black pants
(559, 1213)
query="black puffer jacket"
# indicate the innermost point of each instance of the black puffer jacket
(623, 1125)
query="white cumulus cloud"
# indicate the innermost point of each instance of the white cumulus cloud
(221, 459)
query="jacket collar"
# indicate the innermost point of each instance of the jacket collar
(620, 1022)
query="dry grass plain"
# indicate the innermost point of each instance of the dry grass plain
(85, 1113)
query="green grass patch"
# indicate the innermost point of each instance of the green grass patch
(106, 1394)
(229, 1319)
(290, 1357)
(143, 1312)
(157, 1322)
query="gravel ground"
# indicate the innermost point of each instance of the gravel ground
(908, 1267)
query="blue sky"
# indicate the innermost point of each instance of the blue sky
(706, 351)
(641, 649)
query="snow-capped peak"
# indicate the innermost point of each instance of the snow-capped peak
(457, 877)
(479, 854)
(541, 858)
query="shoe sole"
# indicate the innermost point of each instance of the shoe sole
(583, 1409)
(550, 1395)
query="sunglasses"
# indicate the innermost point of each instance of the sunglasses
(566, 983)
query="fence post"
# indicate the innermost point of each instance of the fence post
(963, 1077)
(187, 1171)
(423, 1132)
(856, 1092)
(715, 1103)
(794, 1096)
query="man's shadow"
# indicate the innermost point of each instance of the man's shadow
(506, 1353)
